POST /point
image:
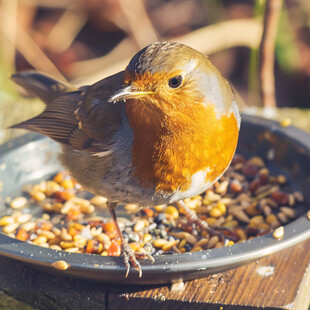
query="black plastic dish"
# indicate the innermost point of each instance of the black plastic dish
(32, 157)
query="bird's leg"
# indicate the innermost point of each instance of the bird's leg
(130, 257)
(193, 218)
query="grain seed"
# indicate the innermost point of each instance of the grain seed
(278, 232)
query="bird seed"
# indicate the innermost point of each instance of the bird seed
(246, 202)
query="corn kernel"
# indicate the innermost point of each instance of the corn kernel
(216, 212)
(172, 212)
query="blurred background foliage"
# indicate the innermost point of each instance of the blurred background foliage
(86, 40)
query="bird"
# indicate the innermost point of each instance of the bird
(164, 129)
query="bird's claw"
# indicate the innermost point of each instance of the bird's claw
(130, 259)
(193, 218)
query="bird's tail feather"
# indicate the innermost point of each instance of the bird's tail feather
(57, 120)
(40, 85)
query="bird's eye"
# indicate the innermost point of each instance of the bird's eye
(175, 81)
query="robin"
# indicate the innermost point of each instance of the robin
(163, 130)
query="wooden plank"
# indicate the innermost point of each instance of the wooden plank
(49, 291)
(288, 287)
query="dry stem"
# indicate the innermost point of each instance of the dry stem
(267, 83)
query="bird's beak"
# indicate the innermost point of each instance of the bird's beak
(128, 93)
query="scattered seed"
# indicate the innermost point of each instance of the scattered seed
(222, 188)
(51, 188)
(170, 244)
(190, 238)
(72, 250)
(229, 243)
(178, 286)
(6, 220)
(282, 217)
(28, 226)
(202, 242)
(271, 203)
(239, 166)
(61, 265)
(291, 200)
(37, 195)
(23, 218)
(257, 161)
(46, 233)
(99, 201)
(281, 179)
(263, 190)
(147, 238)
(39, 240)
(132, 208)
(278, 232)
(267, 210)
(159, 243)
(250, 170)
(265, 271)
(139, 226)
(46, 217)
(280, 197)
(22, 235)
(160, 208)
(64, 235)
(10, 228)
(251, 210)
(172, 212)
(241, 216)
(272, 220)
(289, 212)
(216, 212)
(299, 196)
(286, 122)
(18, 202)
(247, 201)
(258, 219)
(212, 242)
(196, 249)
(236, 186)
(67, 244)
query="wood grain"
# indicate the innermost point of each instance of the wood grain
(242, 288)
(49, 291)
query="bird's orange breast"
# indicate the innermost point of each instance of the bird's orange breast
(169, 148)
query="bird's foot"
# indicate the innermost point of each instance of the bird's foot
(194, 219)
(130, 258)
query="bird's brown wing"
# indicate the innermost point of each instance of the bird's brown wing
(82, 118)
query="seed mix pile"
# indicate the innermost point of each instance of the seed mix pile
(245, 203)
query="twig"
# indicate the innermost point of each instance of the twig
(266, 76)
(140, 26)
(8, 21)
(66, 29)
(117, 54)
(57, 4)
(34, 54)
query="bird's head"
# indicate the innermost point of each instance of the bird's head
(173, 76)
(183, 116)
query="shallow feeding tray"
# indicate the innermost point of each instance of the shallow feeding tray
(32, 157)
